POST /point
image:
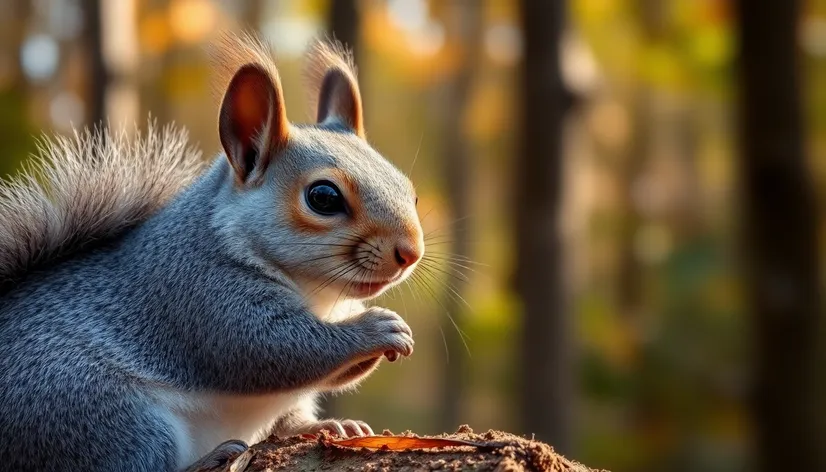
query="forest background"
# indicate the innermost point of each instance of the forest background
(626, 197)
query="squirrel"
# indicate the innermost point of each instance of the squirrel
(158, 314)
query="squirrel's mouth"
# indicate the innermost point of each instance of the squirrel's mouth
(369, 289)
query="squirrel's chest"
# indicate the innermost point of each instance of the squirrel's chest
(332, 309)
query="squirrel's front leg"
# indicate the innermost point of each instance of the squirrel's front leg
(383, 333)
(388, 335)
(287, 348)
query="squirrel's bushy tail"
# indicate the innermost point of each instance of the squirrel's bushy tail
(86, 189)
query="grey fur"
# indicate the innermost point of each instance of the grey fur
(111, 345)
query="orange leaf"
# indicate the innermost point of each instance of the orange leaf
(406, 443)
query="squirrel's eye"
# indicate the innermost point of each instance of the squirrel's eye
(325, 199)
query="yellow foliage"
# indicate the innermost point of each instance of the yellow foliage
(311, 7)
(394, 48)
(712, 46)
(187, 80)
(661, 66)
(191, 20)
(488, 113)
(155, 36)
(595, 11)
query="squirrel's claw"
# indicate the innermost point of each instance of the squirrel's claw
(342, 428)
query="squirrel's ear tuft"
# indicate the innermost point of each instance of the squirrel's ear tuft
(332, 76)
(253, 122)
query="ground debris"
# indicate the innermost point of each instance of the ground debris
(493, 451)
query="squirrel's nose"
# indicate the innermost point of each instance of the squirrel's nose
(406, 256)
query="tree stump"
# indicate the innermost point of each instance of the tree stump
(460, 451)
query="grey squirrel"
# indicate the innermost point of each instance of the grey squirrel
(157, 316)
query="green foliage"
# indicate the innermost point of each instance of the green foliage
(16, 134)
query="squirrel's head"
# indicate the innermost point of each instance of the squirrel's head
(315, 201)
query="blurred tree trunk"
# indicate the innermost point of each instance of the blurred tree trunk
(15, 27)
(155, 99)
(98, 79)
(120, 57)
(546, 390)
(15, 126)
(464, 24)
(251, 14)
(779, 239)
(343, 23)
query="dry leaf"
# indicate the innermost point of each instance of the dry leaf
(405, 443)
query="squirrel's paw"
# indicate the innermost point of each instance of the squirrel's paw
(341, 428)
(387, 331)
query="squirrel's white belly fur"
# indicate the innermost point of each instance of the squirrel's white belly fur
(202, 421)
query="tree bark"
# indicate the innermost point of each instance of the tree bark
(251, 14)
(119, 61)
(98, 76)
(344, 23)
(779, 239)
(546, 340)
(14, 119)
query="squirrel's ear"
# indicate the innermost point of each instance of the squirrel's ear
(339, 99)
(253, 122)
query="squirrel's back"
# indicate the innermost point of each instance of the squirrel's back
(87, 190)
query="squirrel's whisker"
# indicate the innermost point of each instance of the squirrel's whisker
(316, 244)
(319, 258)
(447, 225)
(454, 266)
(450, 273)
(338, 297)
(325, 265)
(358, 239)
(416, 156)
(435, 297)
(453, 259)
(334, 271)
(421, 220)
(452, 292)
(336, 276)
(338, 272)
(438, 234)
